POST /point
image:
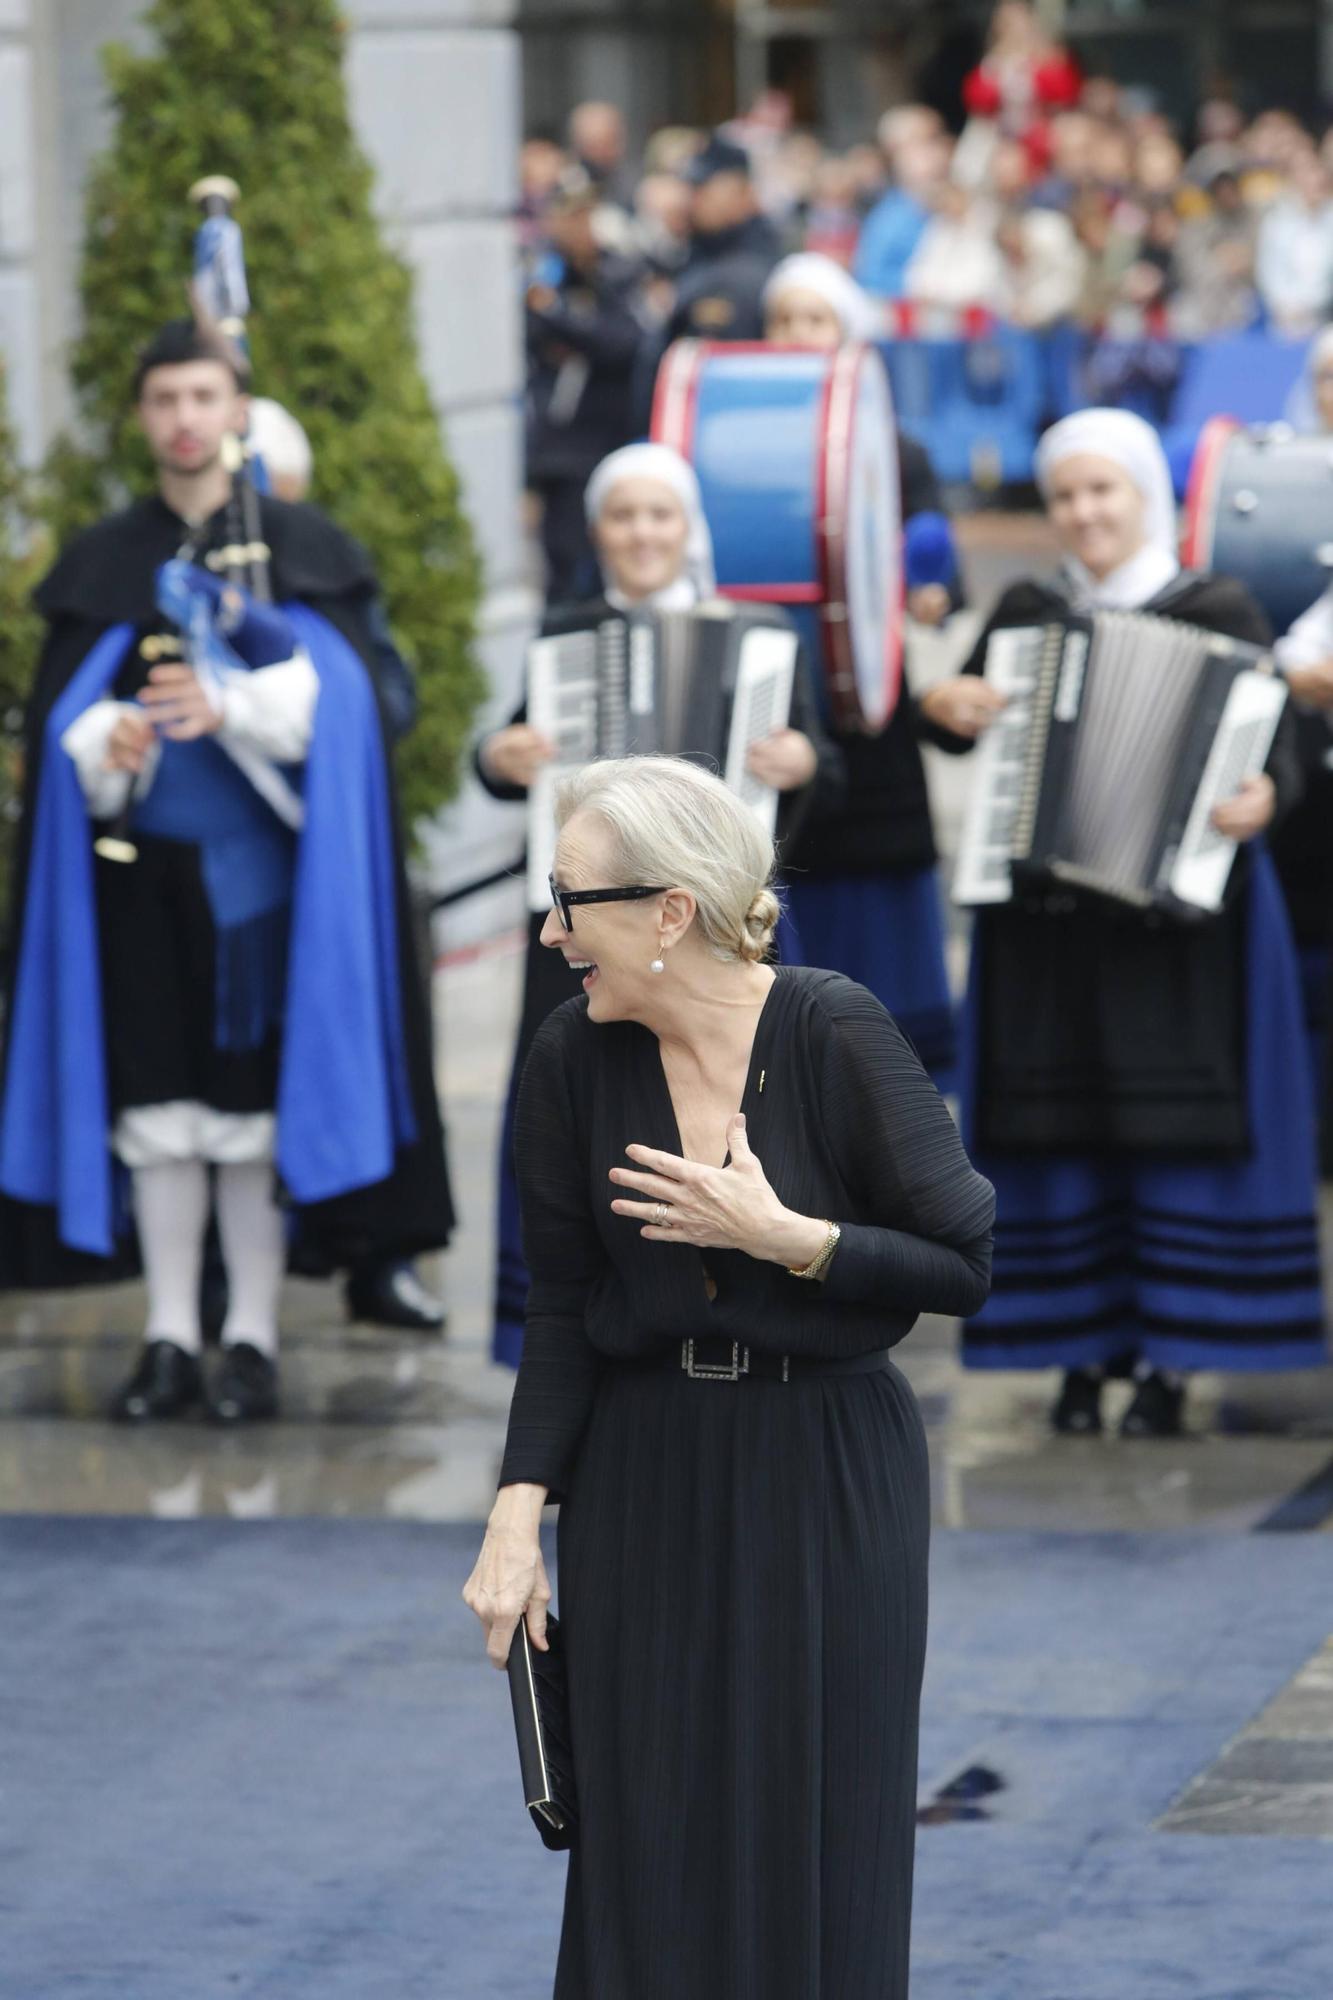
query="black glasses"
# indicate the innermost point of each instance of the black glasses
(564, 900)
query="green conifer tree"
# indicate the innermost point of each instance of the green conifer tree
(254, 89)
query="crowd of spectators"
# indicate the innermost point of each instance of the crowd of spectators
(1065, 201)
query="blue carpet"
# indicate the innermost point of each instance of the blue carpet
(255, 1761)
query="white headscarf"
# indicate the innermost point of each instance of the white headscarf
(809, 272)
(1133, 445)
(1301, 409)
(698, 579)
(280, 441)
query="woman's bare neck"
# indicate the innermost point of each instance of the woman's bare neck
(707, 1017)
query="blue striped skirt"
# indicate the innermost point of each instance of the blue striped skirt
(1183, 1264)
(886, 932)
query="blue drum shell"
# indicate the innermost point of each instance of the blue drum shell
(1272, 519)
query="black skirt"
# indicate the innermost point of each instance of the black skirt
(742, 1576)
(742, 1564)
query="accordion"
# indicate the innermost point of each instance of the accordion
(708, 683)
(1121, 732)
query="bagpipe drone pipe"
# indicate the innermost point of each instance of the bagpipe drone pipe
(218, 631)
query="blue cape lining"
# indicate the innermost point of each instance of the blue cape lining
(344, 1098)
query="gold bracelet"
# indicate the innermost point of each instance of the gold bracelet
(820, 1261)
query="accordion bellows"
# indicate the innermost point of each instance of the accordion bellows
(540, 1695)
(1122, 732)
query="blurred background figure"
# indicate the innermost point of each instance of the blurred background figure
(1215, 254)
(833, 222)
(1310, 405)
(583, 336)
(957, 262)
(541, 161)
(600, 145)
(1022, 80)
(733, 247)
(861, 867)
(1294, 256)
(916, 150)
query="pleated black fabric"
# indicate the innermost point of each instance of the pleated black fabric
(742, 1566)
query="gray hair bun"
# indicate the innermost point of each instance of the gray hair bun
(761, 922)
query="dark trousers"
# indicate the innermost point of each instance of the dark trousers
(571, 564)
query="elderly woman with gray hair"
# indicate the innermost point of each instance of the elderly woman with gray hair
(646, 518)
(739, 1190)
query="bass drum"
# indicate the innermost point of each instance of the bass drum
(796, 456)
(1259, 506)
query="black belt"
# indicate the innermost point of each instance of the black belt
(710, 1359)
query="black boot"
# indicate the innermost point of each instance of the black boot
(166, 1383)
(245, 1388)
(1078, 1409)
(1157, 1410)
(392, 1294)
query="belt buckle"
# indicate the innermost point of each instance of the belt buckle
(715, 1371)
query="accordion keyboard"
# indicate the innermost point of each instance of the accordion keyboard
(576, 697)
(1201, 866)
(1001, 760)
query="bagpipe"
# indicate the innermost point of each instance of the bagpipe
(222, 611)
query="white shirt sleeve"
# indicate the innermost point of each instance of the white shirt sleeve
(85, 744)
(271, 712)
(1310, 639)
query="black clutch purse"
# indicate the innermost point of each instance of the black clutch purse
(540, 1695)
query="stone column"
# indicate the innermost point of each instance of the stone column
(19, 233)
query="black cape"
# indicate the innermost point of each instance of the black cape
(1104, 1028)
(106, 577)
(882, 824)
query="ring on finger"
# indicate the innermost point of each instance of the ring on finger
(661, 1215)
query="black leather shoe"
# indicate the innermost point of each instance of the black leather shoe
(1157, 1410)
(166, 1383)
(1078, 1409)
(393, 1295)
(245, 1388)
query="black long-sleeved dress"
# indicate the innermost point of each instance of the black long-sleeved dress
(547, 979)
(742, 1565)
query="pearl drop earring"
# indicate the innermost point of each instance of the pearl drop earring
(659, 963)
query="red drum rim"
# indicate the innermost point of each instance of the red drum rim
(1196, 548)
(832, 513)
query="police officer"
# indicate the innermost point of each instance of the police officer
(583, 336)
(733, 248)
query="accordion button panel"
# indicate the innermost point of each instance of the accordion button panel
(1013, 663)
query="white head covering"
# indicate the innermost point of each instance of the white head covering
(1133, 445)
(659, 461)
(809, 272)
(1301, 409)
(280, 441)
